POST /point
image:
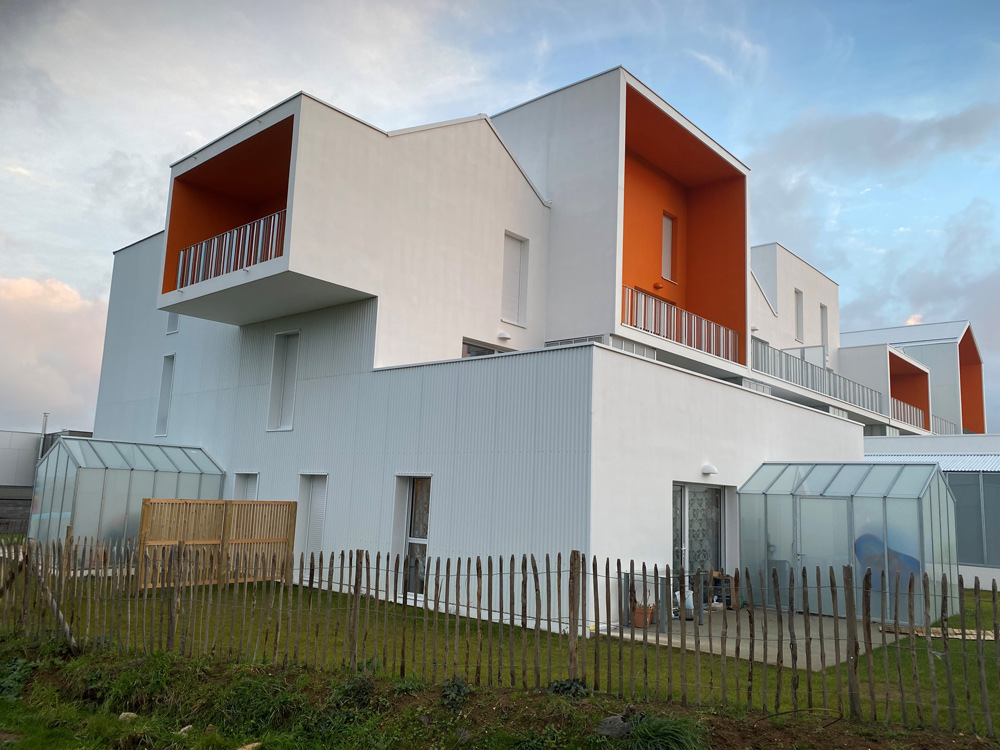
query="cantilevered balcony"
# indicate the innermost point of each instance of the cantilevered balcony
(239, 248)
(647, 313)
(784, 366)
(907, 413)
(941, 426)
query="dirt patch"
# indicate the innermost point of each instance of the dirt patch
(8, 736)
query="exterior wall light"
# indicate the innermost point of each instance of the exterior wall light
(503, 336)
(709, 469)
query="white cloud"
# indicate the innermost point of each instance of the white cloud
(52, 341)
(915, 319)
(714, 64)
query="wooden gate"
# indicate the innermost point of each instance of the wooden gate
(231, 530)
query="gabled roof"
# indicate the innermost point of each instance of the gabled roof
(924, 333)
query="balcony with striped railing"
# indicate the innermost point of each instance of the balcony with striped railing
(784, 366)
(907, 413)
(940, 426)
(652, 315)
(239, 248)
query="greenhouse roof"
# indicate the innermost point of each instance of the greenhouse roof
(899, 479)
(88, 453)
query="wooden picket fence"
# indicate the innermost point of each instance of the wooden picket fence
(222, 528)
(529, 623)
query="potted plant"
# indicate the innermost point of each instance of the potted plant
(644, 612)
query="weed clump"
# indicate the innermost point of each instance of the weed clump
(574, 689)
(454, 693)
(666, 733)
(14, 675)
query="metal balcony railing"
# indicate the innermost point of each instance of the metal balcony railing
(647, 313)
(784, 366)
(238, 248)
(904, 412)
(941, 426)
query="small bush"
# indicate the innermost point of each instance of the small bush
(356, 693)
(665, 733)
(454, 693)
(573, 689)
(14, 674)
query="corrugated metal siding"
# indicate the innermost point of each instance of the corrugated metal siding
(947, 461)
(506, 439)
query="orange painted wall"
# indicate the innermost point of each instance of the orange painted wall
(971, 376)
(648, 195)
(911, 385)
(717, 255)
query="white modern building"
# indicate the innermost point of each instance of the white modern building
(529, 332)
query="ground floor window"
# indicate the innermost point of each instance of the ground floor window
(417, 517)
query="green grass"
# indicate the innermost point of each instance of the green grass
(310, 628)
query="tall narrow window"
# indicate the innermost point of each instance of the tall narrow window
(668, 248)
(283, 376)
(824, 324)
(799, 316)
(166, 389)
(513, 306)
(245, 487)
(312, 495)
(416, 531)
(172, 320)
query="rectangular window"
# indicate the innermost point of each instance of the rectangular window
(245, 487)
(172, 320)
(799, 316)
(312, 497)
(166, 390)
(824, 324)
(667, 270)
(283, 375)
(513, 306)
(476, 350)
(418, 514)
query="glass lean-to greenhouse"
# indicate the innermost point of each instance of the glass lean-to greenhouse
(98, 486)
(892, 518)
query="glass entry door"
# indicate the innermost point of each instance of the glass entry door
(697, 521)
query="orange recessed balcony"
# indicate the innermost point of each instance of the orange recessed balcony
(229, 252)
(910, 391)
(684, 236)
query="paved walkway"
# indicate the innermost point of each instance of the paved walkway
(708, 636)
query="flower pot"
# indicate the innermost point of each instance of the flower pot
(643, 616)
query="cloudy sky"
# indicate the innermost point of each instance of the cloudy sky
(872, 130)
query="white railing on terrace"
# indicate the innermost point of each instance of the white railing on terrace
(941, 426)
(784, 366)
(904, 412)
(238, 248)
(652, 315)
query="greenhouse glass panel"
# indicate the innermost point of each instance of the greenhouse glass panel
(134, 456)
(109, 455)
(142, 487)
(790, 478)
(201, 459)
(753, 532)
(781, 550)
(824, 536)
(180, 459)
(911, 480)
(763, 478)
(158, 458)
(817, 480)
(188, 486)
(165, 484)
(878, 481)
(88, 502)
(847, 480)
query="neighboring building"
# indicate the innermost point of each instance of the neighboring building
(951, 357)
(527, 333)
(19, 452)
(18, 455)
(971, 464)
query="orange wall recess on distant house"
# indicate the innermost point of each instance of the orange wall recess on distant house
(971, 373)
(911, 385)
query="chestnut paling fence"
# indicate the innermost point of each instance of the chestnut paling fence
(839, 642)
